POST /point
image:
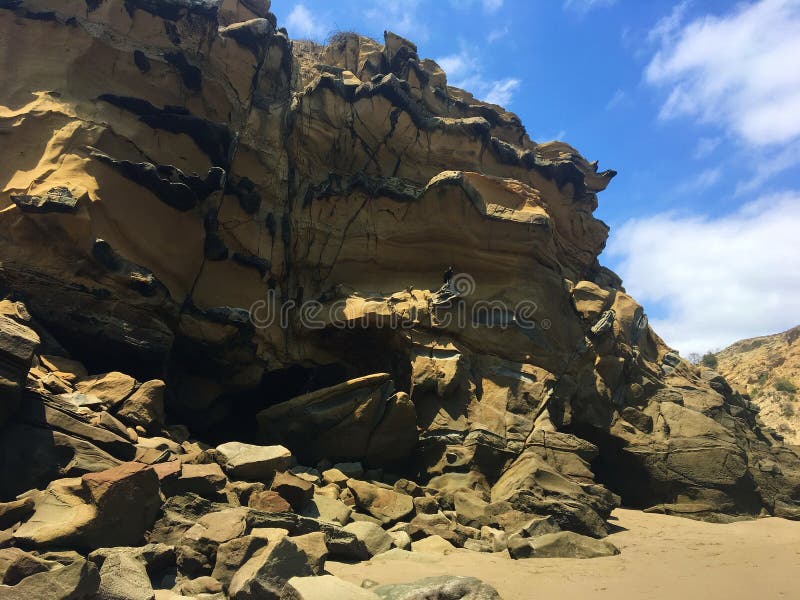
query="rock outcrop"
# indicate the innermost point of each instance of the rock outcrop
(767, 369)
(223, 252)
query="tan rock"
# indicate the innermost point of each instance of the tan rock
(384, 504)
(111, 388)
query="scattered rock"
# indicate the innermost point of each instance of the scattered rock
(256, 463)
(326, 587)
(372, 536)
(145, 406)
(294, 490)
(122, 577)
(433, 544)
(445, 587)
(382, 503)
(77, 581)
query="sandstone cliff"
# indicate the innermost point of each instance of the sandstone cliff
(172, 171)
(767, 368)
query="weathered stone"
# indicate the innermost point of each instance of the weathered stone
(145, 406)
(445, 587)
(56, 200)
(16, 565)
(433, 544)
(122, 577)
(201, 585)
(205, 480)
(313, 544)
(264, 576)
(374, 538)
(327, 509)
(17, 345)
(231, 555)
(294, 490)
(268, 501)
(565, 544)
(15, 511)
(384, 504)
(326, 587)
(110, 388)
(78, 581)
(258, 463)
(113, 507)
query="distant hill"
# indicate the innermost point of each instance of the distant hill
(768, 368)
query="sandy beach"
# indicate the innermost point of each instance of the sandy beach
(662, 557)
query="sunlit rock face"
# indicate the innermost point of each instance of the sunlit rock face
(185, 193)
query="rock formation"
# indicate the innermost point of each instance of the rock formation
(222, 253)
(767, 369)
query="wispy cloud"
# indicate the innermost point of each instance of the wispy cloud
(720, 279)
(701, 182)
(705, 147)
(302, 23)
(584, 6)
(466, 70)
(617, 99)
(489, 6)
(497, 34)
(402, 18)
(734, 71)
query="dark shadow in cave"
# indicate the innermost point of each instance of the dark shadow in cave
(619, 470)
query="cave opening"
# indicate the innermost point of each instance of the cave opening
(617, 469)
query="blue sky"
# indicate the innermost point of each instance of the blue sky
(695, 103)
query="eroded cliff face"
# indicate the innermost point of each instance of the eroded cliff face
(767, 368)
(166, 166)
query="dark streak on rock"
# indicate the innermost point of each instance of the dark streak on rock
(138, 278)
(171, 9)
(245, 190)
(169, 184)
(212, 138)
(192, 76)
(262, 265)
(56, 200)
(141, 61)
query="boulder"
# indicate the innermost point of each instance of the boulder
(231, 555)
(15, 511)
(200, 586)
(372, 536)
(197, 551)
(384, 504)
(313, 544)
(264, 576)
(326, 587)
(113, 507)
(16, 565)
(145, 406)
(445, 587)
(293, 489)
(328, 510)
(110, 388)
(564, 544)
(251, 462)
(433, 544)
(268, 501)
(77, 581)
(123, 577)
(17, 345)
(205, 480)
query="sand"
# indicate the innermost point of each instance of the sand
(662, 557)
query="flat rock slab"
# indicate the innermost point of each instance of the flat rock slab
(248, 461)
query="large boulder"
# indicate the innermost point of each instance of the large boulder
(122, 577)
(384, 504)
(77, 581)
(145, 407)
(109, 508)
(564, 544)
(360, 419)
(264, 576)
(325, 587)
(17, 345)
(445, 587)
(257, 463)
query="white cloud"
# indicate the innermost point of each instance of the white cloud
(401, 18)
(584, 6)
(302, 23)
(766, 165)
(701, 182)
(489, 6)
(501, 92)
(719, 279)
(465, 70)
(737, 71)
(705, 147)
(497, 34)
(618, 98)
